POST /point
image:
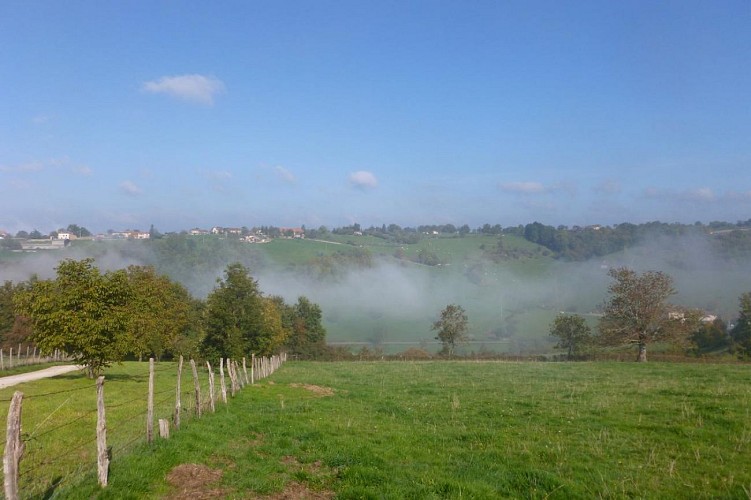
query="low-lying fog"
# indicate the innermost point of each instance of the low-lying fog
(394, 302)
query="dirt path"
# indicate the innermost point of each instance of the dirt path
(39, 374)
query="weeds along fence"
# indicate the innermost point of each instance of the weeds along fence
(19, 356)
(81, 426)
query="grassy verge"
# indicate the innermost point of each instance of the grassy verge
(461, 429)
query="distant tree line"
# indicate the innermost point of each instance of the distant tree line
(582, 243)
(103, 317)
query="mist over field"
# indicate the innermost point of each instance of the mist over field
(392, 303)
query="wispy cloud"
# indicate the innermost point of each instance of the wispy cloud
(192, 88)
(522, 187)
(40, 119)
(285, 174)
(33, 166)
(82, 170)
(53, 164)
(129, 188)
(362, 179)
(608, 187)
(702, 194)
(218, 175)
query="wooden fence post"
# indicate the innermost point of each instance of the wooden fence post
(150, 405)
(211, 387)
(178, 404)
(103, 459)
(238, 376)
(232, 382)
(252, 367)
(10, 359)
(13, 447)
(18, 356)
(223, 384)
(164, 428)
(2, 360)
(197, 387)
(245, 371)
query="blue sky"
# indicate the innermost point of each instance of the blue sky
(119, 115)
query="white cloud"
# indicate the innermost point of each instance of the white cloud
(40, 119)
(362, 179)
(193, 88)
(130, 188)
(701, 194)
(522, 187)
(285, 174)
(83, 170)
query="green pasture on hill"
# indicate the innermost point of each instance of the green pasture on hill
(446, 430)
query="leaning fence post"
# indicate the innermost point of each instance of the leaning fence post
(13, 447)
(196, 386)
(223, 384)
(178, 405)
(245, 371)
(103, 459)
(252, 368)
(211, 387)
(150, 405)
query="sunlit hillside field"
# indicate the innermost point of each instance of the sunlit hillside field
(463, 429)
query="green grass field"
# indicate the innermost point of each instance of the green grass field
(450, 430)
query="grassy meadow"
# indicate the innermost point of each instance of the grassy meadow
(59, 418)
(437, 430)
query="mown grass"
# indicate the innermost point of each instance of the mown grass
(466, 429)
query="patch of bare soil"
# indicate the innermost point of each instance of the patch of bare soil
(315, 389)
(297, 491)
(195, 481)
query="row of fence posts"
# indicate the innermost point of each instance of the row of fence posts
(260, 367)
(33, 356)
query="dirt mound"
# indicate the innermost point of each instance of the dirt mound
(195, 481)
(316, 389)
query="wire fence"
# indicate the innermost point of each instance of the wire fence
(12, 358)
(62, 446)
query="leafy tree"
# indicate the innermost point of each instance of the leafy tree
(160, 312)
(36, 235)
(307, 338)
(637, 311)
(741, 332)
(79, 231)
(271, 333)
(14, 328)
(572, 332)
(452, 328)
(82, 312)
(710, 336)
(239, 320)
(22, 234)
(7, 311)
